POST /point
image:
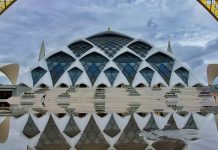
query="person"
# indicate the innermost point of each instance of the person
(43, 99)
(214, 96)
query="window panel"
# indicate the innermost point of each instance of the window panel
(111, 74)
(93, 64)
(140, 48)
(147, 73)
(183, 74)
(58, 64)
(74, 74)
(110, 43)
(80, 47)
(37, 74)
(163, 64)
(128, 64)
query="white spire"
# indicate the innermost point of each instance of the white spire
(42, 51)
(169, 48)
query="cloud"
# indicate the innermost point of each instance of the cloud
(24, 25)
(198, 57)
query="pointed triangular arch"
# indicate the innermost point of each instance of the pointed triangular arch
(148, 74)
(30, 129)
(130, 138)
(92, 137)
(171, 124)
(74, 74)
(151, 124)
(58, 63)
(93, 64)
(111, 74)
(183, 74)
(112, 129)
(128, 64)
(190, 124)
(163, 64)
(37, 74)
(51, 138)
(71, 128)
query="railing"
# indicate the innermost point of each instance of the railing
(211, 6)
(5, 4)
(99, 93)
(132, 91)
(170, 95)
(99, 106)
(28, 95)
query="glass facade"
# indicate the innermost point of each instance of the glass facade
(94, 52)
(111, 74)
(93, 64)
(58, 64)
(74, 74)
(128, 64)
(140, 48)
(110, 43)
(183, 74)
(79, 48)
(163, 64)
(147, 73)
(37, 74)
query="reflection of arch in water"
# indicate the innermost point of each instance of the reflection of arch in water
(11, 71)
(4, 129)
(212, 73)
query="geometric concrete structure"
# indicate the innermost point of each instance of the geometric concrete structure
(51, 138)
(108, 59)
(4, 128)
(11, 71)
(212, 73)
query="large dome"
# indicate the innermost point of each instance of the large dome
(110, 59)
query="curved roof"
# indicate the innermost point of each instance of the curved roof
(11, 71)
(212, 73)
(96, 53)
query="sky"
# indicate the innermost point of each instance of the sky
(193, 32)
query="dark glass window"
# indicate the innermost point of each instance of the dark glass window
(163, 64)
(110, 43)
(128, 64)
(147, 73)
(183, 74)
(111, 74)
(140, 48)
(74, 74)
(58, 64)
(80, 47)
(93, 64)
(37, 74)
